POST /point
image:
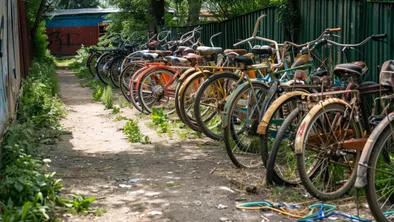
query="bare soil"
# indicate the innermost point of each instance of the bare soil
(177, 179)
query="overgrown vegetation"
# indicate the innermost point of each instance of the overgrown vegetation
(28, 192)
(160, 119)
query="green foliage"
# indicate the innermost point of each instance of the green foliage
(75, 4)
(27, 191)
(120, 118)
(288, 15)
(159, 118)
(116, 110)
(133, 133)
(107, 99)
(39, 102)
(133, 17)
(79, 204)
(79, 63)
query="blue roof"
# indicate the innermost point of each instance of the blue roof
(82, 11)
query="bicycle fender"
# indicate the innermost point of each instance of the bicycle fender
(186, 73)
(307, 119)
(361, 180)
(262, 128)
(231, 97)
(186, 81)
(151, 69)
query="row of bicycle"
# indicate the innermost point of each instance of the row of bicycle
(291, 108)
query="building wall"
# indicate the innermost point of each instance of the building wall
(14, 58)
(67, 34)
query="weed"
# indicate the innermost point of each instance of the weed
(120, 118)
(106, 98)
(123, 103)
(133, 133)
(159, 118)
(116, 110)
(79, 204)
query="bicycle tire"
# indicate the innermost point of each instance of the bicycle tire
(134, 98)
(265, 139)
(100, 68)
(188, 84)
(272, 176)
(114, 71)
(158, 91)
(91, 62)
(199, 117)
(248, 151)
(124, 77)
(305, 128)
(371, 191)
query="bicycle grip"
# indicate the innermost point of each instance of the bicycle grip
(335, 29)
(379, 36)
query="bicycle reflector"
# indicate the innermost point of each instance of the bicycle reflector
(387, 74)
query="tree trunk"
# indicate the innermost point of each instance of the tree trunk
(39, 15)
(194, 11)
(157, 10)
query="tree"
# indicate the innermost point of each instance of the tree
(225, 9)
(194, 11)
(75, 4)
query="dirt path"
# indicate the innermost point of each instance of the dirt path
(177, 182)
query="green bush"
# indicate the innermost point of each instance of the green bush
(39, 102)
(27, 191)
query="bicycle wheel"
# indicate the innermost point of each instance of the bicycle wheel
(91, 62)
(319, 149)
(125, 76)
(157, 90)
(115, 71)
(209, 103)
(275, 117)
(243, 112)
(380, 176)
(187, 97)
(134, 97)
(282, 165)
(101, 69)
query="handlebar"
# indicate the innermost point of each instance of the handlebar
(255, 37)
(210, 40)
(334, 29)
(165, 37)
(372, 37)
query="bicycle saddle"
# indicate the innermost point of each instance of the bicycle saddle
(150, 56)
(387, 74)
(237, 51)
(265, 51)
(174, 59)
(244, 60)
(184, 50)
(153, 44)
(192, 56)
(207, 51)
(130, 47)
(349, 69)
(162, 53)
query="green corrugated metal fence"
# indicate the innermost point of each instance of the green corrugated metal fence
(240, 27)
(357, 18)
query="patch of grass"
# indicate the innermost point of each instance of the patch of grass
(123, 103)
(133, 133)
(115, 110)
(281, 193)
(120, 118)
(106, 98)
(63, 63)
